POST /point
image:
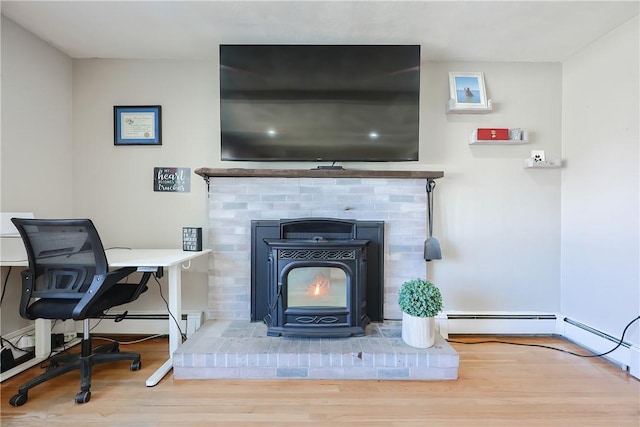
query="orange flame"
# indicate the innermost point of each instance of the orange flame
(320, 286)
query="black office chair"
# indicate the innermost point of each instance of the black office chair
(68, 278)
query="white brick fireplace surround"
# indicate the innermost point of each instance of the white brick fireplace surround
(236, 197)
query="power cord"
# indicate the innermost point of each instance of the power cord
(12, 345)
(53, 353)
(166, 303)
(553, 348)
(4, 285)
(100, 319)
(143, 339)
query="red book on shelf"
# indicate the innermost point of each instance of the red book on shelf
(489, 134)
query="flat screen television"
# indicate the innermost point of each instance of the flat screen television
(319, 102)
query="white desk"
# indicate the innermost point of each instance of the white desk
(172, 260)
(169, 259)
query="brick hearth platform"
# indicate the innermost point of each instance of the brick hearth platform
(241, 349)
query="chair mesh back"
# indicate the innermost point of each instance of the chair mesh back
(64, 255)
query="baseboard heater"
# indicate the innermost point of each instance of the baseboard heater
(627, 355)
(146, 323)
(139, 316)
(499, 323)
(601, 334)
(503, 316)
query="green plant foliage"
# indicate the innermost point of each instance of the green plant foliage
(420, 298)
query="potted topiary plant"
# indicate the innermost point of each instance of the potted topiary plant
(420, 301)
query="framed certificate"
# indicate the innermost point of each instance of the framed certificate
(137, 125)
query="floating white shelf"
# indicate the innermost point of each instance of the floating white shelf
(453, 109)
(473, 139)
(531, 164)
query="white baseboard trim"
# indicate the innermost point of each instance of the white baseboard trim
(627, 356)
(497, 323)
(147, 323)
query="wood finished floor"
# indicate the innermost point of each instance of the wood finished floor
(498, 385)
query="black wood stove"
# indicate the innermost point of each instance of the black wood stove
(317, 279)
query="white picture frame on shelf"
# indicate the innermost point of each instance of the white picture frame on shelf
(467, 91)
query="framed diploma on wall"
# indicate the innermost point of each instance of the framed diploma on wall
(137, 125)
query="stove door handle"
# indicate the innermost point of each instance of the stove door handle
(278, 294)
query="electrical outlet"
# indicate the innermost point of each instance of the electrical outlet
(68, 336)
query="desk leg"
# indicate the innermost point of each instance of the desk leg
(175, 338)
(43, 338)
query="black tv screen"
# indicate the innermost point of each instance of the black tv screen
(319, 102)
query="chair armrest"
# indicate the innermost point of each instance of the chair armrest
(28, 283)
(100, 284)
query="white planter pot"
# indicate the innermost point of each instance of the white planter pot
(418, 332)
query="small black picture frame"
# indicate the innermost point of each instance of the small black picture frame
(137, 125)
(191, 238)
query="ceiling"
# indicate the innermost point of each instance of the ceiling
(529, 31)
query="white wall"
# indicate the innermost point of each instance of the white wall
(600, 185)
(36, 124)
(36, 154)
(498, 223)
(113, 185)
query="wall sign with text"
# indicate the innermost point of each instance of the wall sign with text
(173, 180)
(191, 238)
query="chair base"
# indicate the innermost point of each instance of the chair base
(64, 363)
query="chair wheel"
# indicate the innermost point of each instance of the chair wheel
(52, 366)
(18, 399)
(135, 366)
(83, 397)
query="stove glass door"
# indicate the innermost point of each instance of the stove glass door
(316, 287)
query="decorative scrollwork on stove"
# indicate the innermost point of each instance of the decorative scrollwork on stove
(315, 254)
(317, 319)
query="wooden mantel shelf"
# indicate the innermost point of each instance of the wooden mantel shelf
(316, 173)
